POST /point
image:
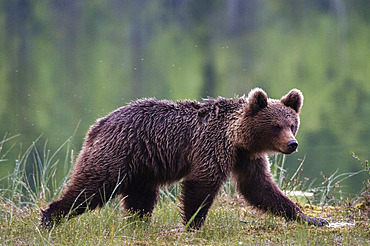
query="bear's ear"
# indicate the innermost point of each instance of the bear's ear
(257, 100)
(293, 99)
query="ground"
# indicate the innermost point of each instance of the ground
(231, 222)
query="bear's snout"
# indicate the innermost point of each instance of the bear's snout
(292, 145)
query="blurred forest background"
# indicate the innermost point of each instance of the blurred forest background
(64, 63)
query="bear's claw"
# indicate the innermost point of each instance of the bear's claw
(316, 221)
(46, 220)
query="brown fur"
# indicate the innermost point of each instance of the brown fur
(149, 143)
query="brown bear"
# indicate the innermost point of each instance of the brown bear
(140, 147)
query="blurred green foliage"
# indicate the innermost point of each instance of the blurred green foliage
(65, 63)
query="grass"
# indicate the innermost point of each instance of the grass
(230, 221)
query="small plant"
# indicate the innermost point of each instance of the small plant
(34, 176)
(325, 194)
(331, 185)
(2, 142)
(170, 193)
(366, 166)
(363, 202)
(295, 186)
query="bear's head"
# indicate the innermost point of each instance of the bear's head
(268, 125)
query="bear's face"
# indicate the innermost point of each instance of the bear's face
(277, 126)
(270, 125)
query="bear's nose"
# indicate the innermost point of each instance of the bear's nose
(293, 145)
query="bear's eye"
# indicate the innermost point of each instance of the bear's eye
(292, 128)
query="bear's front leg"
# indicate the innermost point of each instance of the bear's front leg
(255, 183)
(197, 197)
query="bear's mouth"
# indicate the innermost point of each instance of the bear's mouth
(291, 147)
(288, 152)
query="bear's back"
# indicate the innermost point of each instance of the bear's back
(154, 136)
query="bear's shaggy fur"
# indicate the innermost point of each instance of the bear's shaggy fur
(138, 148)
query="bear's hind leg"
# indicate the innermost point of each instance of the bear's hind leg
(140, 199)
(76, 199)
